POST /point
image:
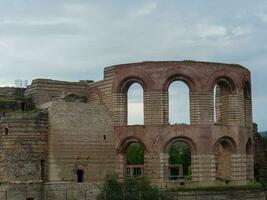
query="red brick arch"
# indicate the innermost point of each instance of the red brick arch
(122, 146)
(184, 139)
(228, 140)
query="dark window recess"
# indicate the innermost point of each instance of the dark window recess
(42, 163)
(6, 131)
(80, 175)
(104, 137)
(23, 105)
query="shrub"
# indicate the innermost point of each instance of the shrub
(129, 189)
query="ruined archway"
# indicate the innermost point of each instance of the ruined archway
(223, 150)
(131, 151)
(223, 87)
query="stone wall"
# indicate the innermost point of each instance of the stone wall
(11, 92)
(23, 143)
(80, 137)
(46, 90)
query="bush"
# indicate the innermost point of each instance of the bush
(129, 189)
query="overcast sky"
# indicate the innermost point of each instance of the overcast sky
(73, 40)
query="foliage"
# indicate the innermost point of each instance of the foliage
(135, 154)
(16, 104)
(6, 104)
(130, 189)
(180, 153)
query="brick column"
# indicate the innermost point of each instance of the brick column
(119, 111)
(152, 168)
(248, 112)
(120, 169)
(250, 167)
(239, 169)
(154, 104)
(235, 112)
(201, 108)
(203, 169)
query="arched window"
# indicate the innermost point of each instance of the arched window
(221, 91)
(179, 160)
(179, 103)
(135, 160)
(224, 148)
(135, 104)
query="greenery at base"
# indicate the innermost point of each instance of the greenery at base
(130, 189)
(252, 186)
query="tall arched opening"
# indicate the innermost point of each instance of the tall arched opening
(222, 90)
(179, 160)
(135, 104)
(131, 152)
(224, 148)
(179, 111)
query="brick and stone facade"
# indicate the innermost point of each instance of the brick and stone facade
(83, 126)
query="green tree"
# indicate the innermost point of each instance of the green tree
(180, 153)
(135, 154)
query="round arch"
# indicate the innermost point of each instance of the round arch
(184, 139)
(126, 77)
(189, 82)
(122, 146)
(225, 81)
(226, 140)
(127, 82)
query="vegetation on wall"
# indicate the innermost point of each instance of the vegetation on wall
(16, 104)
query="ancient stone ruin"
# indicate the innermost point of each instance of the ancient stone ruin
(62, 137)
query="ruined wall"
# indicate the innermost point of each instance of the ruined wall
(92, 137)
(12, 92)
(45, 90)
(80, 137)
(235, 124)
(23, 143)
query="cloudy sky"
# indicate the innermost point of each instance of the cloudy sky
(76, 39)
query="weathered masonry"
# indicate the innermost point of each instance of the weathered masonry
(79, 132)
